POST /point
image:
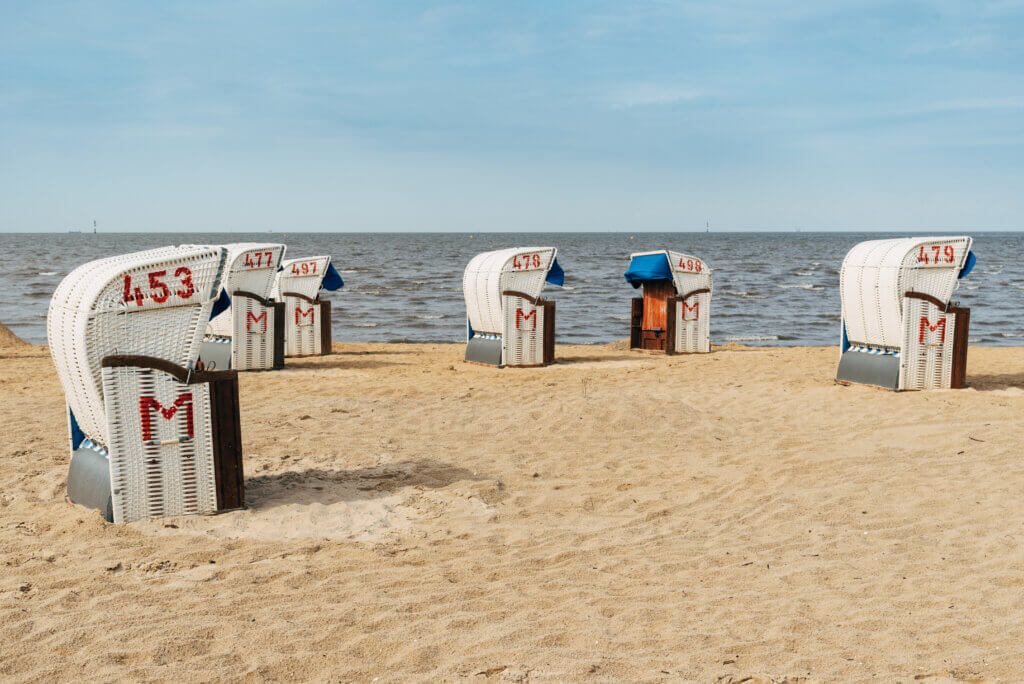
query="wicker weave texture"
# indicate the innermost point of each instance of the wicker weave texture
(152, 303)
(303, 276)
(301, 327)
(490, 273)
(252, 340)
(252, 267)
(302, 318)
(693, 316)
(875, 275)
(926, 360)
(161, 445)
(693, 330)
(522, 344)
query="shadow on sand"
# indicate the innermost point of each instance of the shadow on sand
(988, 383)
(320, 486)
(337, 362)
(584, 358)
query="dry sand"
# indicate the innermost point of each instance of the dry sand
(617, 516)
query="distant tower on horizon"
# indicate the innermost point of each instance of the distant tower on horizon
(94, 226)
(707, 226)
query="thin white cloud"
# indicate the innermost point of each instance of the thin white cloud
(634, 95)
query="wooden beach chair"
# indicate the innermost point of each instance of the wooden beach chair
(307, 329)
(150, 435)
(249, 333)
(899, 329)
(673, 315)
(507, 322)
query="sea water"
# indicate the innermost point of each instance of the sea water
(769, 288)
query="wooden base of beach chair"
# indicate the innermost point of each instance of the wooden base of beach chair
(169, 456)
(669, 324)
(652, 338)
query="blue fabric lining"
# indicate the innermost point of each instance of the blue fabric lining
(332, 281)
(77, 436)
(968, 266)
(221, 305)
(556, 276)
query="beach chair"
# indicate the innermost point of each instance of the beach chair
(307, 329)
(249, 333)
(899, 329)
(150, 435)
(507, 323)
(673, 315)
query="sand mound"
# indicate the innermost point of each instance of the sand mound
(617, 345)
(9, 340)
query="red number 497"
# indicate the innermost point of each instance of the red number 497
(305, 268)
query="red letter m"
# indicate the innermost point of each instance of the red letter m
(940, 326)
(147, 405)
(695, 309)
(300, 315)
(250, 318)
(524, 317)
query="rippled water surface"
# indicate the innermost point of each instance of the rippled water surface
(770, 288)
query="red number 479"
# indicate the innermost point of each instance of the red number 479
(938, 253)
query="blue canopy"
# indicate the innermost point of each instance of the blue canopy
(648, 267)
(968, 266)
(332, 281)
(221, 305)
(556, 276)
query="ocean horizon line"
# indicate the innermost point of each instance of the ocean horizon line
(829, 231)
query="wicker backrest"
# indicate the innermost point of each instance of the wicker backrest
(153, 303)
(251, 267)
(876, 274)
(302, 276)
(520, 269)
(689, 273)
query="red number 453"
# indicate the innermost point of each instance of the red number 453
(159, 292)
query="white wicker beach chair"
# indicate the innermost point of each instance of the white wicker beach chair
(249, 333)
(674, 314)
(507, 323)
(150, 436)
(899, 329)
(307, 328)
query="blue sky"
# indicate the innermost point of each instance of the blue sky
(625, 116)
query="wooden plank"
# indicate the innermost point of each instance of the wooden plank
(227, 444)
(671, 306)
(325, 326)
(958, 376)
(656, 294)
(279, 324)
(549, 332)
(636, 317)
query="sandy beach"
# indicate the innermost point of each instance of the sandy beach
(617, 516)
